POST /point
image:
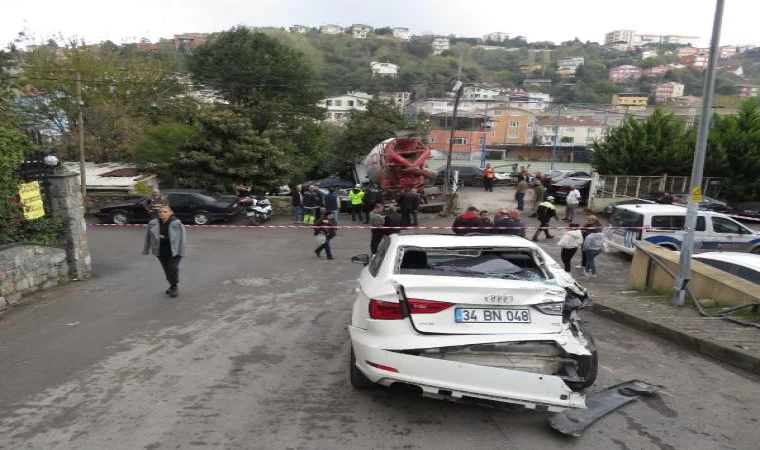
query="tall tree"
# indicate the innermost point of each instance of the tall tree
(265, 79)
(660, 144)
(226, 149)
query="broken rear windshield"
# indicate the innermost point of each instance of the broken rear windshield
(508, 264)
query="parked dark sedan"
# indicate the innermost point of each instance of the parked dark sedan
(468, 175)
(189, 205)
(332, 181)
(560, 189)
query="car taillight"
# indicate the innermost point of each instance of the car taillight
(382, 367)
(381, 310)
(419, 306)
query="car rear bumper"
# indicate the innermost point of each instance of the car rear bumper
(453, 380)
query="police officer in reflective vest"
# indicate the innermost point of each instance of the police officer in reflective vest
(545, 212)
(356, 198)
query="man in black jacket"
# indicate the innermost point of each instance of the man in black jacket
(312, 201)
(544, 213)
(392, 219)
(409, 201)
(297, 197)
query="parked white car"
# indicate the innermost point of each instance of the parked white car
(742, 265)
(471, 318)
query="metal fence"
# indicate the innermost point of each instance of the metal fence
(614, 186)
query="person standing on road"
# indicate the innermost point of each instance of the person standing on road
(538, 193)
(155, 201)
(516, 225)
(356, 198)
(569, 243)
(520, 190)
(297, 199)
(371, 198)
(332, 203)
(392, 222)
(544, 213)
(167, 240)
(592, 247)
(312, 201)
(376, 220)
(407, 202)
(325, 232)
(467, 222)
(573, 200)
(488, 178)
(591, 223)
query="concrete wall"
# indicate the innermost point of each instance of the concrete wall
(66, 197)
(28, 268)
(706, 282)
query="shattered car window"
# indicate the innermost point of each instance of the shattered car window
(474, 263)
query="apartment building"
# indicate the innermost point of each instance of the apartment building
(625, 74)
(331, 29)
(401, 33)
(339, 107)
(497, 36)
(665, 92)
(384, 69)
(299, 29)
(569, 131)
(620, 39)
(360, 31)
(440, 44)
(512, 125)
(631, 101)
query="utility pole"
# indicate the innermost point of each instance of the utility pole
(80, 125)
(556, 137)
(687, 247)
(458, 87)
(483, 151)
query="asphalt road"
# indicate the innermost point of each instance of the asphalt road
(254, 354)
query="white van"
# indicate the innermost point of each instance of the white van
(663, 225)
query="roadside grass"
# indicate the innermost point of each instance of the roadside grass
(710, 306)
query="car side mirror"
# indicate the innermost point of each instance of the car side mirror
(362, 259)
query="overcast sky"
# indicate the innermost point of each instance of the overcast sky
(538, 20)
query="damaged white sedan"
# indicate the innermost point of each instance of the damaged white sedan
(485, 319)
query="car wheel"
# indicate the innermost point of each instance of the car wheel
(120, 217)
(357, 377)
(755, 251)
(588, 366)
(201, 219)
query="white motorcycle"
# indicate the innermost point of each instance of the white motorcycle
(259, 211)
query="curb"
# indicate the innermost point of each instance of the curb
(706, 347)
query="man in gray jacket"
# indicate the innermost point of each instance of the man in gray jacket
(167, 240)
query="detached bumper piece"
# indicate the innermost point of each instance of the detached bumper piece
(573, 422)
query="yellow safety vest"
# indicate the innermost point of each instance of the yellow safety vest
(355, 197)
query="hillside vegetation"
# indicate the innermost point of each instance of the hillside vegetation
(343, 63)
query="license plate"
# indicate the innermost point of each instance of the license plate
(251, 213)
(482, 315)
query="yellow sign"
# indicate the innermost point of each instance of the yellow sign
(31, 200)
(696, 194)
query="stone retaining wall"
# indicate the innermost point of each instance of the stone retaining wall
(28, 268)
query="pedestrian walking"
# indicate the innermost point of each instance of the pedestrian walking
(467, 222)
(155, 201)
(573, 200)
(312, 202)
(544, 213)
(538, 193)
(488, 178)
(376, 221)
(392, 222)
(332, 203)
(592, 247)
(591, 223)
(297, 198)
(325, 232)
(167, 240)
(356, 198)
(569, 244)
(371, 198)
(520, 190)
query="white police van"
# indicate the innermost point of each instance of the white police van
(663, 225)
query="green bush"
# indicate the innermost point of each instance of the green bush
(47, 230)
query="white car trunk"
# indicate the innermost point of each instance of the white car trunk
(493, 306)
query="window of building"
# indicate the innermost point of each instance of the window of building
(514, 123)
(512, 135)
(329, 102)
(480, 141)
(498, 112)
(459, 141)
(431, 140)
(329, 115)
(350, 103)
(338, 102)
(338, 116)
(570, 130)
(592, 130)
